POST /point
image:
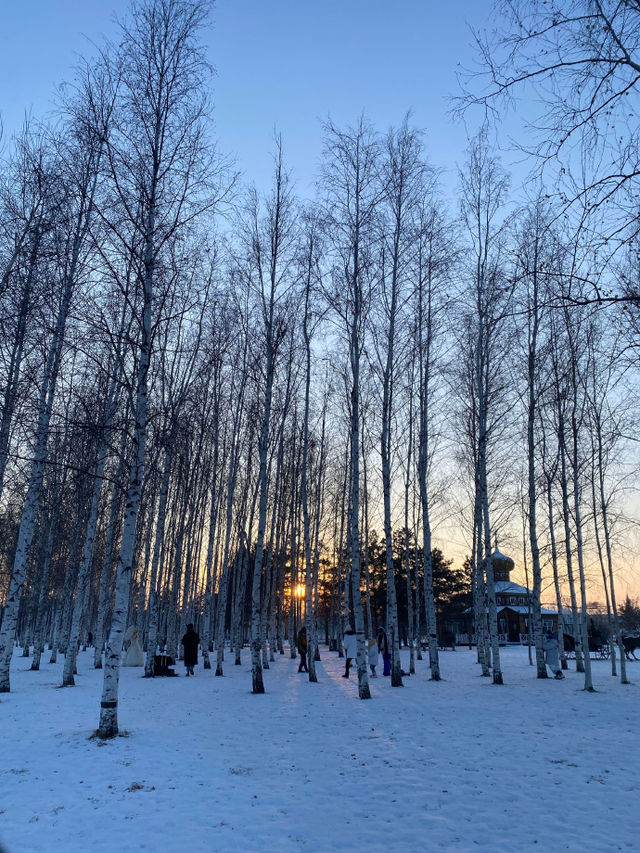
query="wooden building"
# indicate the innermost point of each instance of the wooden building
(513, 603)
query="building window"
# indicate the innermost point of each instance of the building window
(547, 624)
(513, 599)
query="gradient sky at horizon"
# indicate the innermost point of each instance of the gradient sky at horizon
(281, 65)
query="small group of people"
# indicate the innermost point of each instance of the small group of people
(134, 655)
(376, 646)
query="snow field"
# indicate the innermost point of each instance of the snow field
(206, 767)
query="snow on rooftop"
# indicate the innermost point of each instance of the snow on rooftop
(498, 555)
(519, 608)
(510, 587)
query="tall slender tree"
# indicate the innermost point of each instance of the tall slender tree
(160, 180)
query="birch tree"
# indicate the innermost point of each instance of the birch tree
(606, 432)
(270, 241)
(431, 266)
(75, 209)
(238, 387)
(403, 179)
(351, 190)
(158, 164)
(310, 272)
(535, 255)
(27, 215)
(483, 194)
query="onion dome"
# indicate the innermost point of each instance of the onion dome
(502, 565)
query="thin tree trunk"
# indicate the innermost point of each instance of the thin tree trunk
(108, 724)
(106, 571)
(532, 357)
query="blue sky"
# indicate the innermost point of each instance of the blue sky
(283, 64)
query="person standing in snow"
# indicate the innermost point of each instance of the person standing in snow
(134, 655)
(350, 644)
(383, 648)
(373, 656)
(190, 642)
(551, 657)
(302, 649)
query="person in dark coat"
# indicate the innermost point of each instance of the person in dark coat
(190, 642)
(383, 648)
(302, 649)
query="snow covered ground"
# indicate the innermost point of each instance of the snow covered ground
(206, 767)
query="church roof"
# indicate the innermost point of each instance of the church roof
(498, 555)
(512, 588)
(519, 608)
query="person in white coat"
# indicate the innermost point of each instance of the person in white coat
(373, 656)
(134, 655)
(551, 654)
(350, 643)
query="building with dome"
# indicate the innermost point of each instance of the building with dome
(513, 603)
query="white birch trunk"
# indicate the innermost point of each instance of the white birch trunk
(83, 578)
(257, 682)
(541, 669)
(311, 629)
(213, 522)
(607, 541)
(108, 725)
(223, 592)
(556, 575)
(577, 632)
(597, 399)
(424, 358)
(158, 548)
(486, 525)
(82, 589)
(316, 555)
(15, 359)
(577, 515)
(107, 561)
(32, 500)
(385, 450)
(44, 580)
(364, 691)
